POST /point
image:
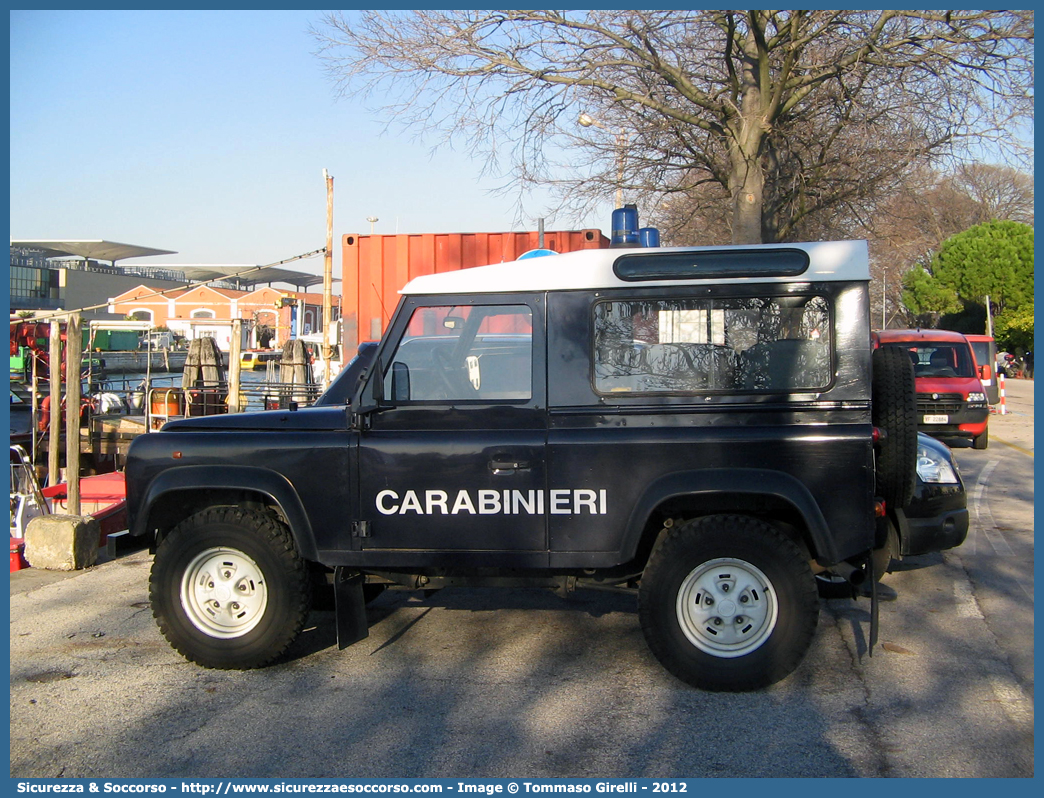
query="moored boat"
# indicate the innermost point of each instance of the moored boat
(257, 359)
(103, 496)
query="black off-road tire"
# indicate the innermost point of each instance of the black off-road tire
(228, 588)
(742, 572)
(894, 411)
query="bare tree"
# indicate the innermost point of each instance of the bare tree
(907, 228)
(775, 109)
(1000, 193)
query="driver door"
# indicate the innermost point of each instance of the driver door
(452, 460)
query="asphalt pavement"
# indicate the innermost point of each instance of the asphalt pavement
(524, 683)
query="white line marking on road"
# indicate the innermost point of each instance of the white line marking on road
(1012, 700)
(978, 504)
(983, 515)
(967, 606)
(984, 522)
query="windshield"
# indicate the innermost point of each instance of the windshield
(939, 359)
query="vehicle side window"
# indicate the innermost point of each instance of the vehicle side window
(704, 345)
(463, 353)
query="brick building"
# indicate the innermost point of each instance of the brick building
(271, 316)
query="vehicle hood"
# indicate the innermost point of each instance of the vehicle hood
(307, 418)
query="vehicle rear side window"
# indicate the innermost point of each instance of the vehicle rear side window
(681, 346)
(463, 353)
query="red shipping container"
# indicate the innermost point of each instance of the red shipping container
(376, 267)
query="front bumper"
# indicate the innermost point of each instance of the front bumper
(924, 534)
(962, 422)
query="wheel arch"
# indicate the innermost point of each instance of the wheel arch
(180, 492)
(764, 493)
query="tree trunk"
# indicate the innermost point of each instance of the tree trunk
(746, 184)
(746, 171)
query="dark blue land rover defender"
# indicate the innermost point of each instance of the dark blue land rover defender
(709, 427)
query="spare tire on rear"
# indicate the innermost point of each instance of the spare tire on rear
(894, 412)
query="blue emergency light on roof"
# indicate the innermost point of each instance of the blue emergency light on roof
(648, 237)
(536, 253)
(625, 226)
(626, 232)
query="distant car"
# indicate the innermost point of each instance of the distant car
(951, 400)
(935, 519)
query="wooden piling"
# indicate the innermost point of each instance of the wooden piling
(235, 366)
(294, 370)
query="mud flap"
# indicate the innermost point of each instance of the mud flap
(874, 604)
(350, 607)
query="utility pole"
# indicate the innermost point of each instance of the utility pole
(989, 318)
(884, 301)
(328, 280)
(586, 120)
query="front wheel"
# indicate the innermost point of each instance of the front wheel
(228, 588)
(728, 602)
(981, 441)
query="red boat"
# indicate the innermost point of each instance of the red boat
(103, 496)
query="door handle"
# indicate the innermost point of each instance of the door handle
(508, 466)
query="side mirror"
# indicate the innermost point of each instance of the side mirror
(400, 385)
(984, 373)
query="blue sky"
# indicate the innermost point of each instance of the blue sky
(206, 132)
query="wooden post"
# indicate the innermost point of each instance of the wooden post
(54, 428)
(73, 350)
(234, 365)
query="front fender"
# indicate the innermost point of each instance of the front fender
(732, 481)
(269, 483)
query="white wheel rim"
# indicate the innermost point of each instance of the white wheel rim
(727, 607)
(223, 593)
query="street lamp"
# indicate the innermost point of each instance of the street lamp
(586, 120)
(372, 220)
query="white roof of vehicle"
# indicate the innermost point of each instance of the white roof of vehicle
(593, 269)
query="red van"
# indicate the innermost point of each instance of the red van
(951, 400)
(985, 350)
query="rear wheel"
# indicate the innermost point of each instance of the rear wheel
(228, 588)
(728, 602)
(894, 411)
